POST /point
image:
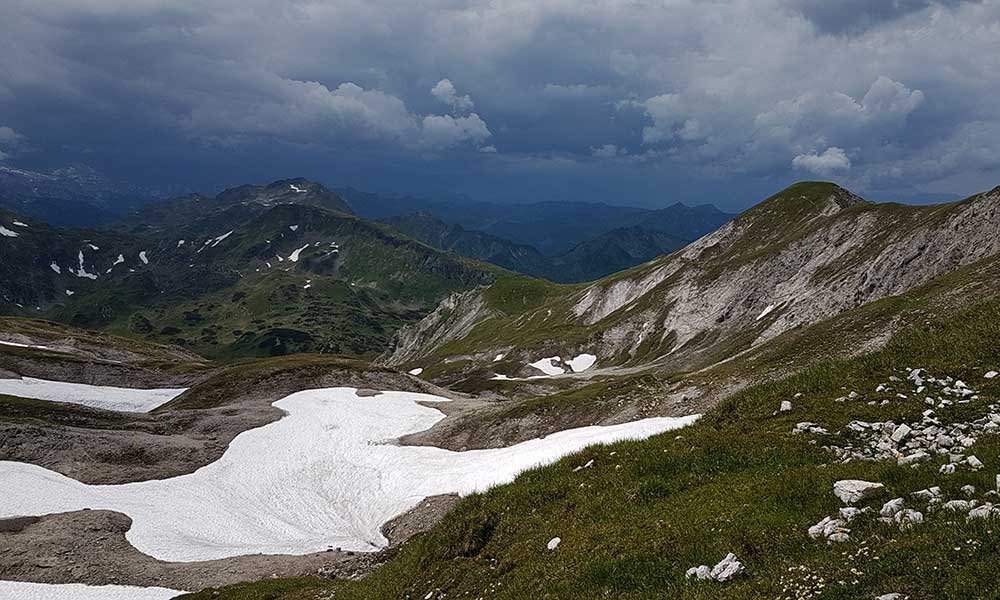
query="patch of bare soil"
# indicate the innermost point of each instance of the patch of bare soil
(90, 547)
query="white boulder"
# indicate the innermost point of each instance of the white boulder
(852, 491)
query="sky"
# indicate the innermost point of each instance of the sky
(634, 102)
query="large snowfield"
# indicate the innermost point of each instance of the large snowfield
(16, 590)
(94, 396)
(327, 475)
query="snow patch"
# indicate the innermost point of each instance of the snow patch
(70, 292)
(93, 247)
(582, 362)
(94, 396)
(765, 312)
(56, 268)
(325, 475)
(498, 358)
(19, 224)
(17, 345)
(294, 256)
(293, 227)
(82, 270)
(21, 590)
(297, 189)
(142, 257)
(216, 240)
(416, 371)
(7, 232)
(545, 366)
(180, 243)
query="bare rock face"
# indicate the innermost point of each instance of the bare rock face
(453, 318)
(801, 256)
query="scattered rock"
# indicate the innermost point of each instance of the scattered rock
(785, 406)
(553, 543)
(700, 573)
(728, 568)
(852, 491)
(890, 508)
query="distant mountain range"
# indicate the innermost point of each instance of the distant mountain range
(553, 228)
(75, 196)
(607, 253)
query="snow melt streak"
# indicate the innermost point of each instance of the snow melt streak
(323, 476)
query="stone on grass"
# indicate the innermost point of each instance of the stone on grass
(981, 512)
(901, 433)
(947, 469)
(839, 537)
(929, 494)
(553, 543)
(700, 573)
(785, 406)
(969, 490)
(852, 491)
(974, 462)
(890, 508)
(907, 518)
(893, 596)
(912, 459)
(958, 505)
(727, 568)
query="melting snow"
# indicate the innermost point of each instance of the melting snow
(545, 366)
(55, 267)
(324, 475)
(17, 345)
(142, 257)
(498, 358)
(215, 241)
(94, 396)
(297, 189)
(82, 271)
(70, 292)
(582, 362)
(20, 224)
(416, 371)
(7, 232)
(293, 227)
(180, 243)
(765, 312)
(294, 256)
(78, 591)
(93, 247)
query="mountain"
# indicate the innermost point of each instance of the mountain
(608, 253)
(73, 196)
(613, 251)
(815, 344)
(554, 228)
(801, 256)
(256, 270)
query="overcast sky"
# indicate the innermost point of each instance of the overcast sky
(641, 102)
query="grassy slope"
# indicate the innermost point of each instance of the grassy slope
(738, 481)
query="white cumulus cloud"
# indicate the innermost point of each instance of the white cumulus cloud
(445, 92)
(831, 160)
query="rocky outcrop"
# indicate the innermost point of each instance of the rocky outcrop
(802, 256)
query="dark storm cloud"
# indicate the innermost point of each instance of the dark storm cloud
(854, 16)
(615, 100)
